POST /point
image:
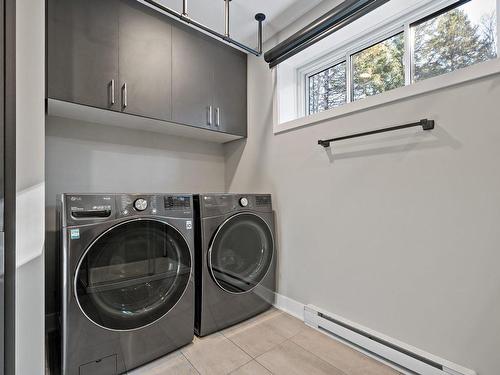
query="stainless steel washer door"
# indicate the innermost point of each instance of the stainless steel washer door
(241, 253)
(133, 274)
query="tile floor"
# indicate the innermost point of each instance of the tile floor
(271, 343)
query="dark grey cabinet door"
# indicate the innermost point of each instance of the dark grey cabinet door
(230, 90)
(83, 51)
(192, 77)
(145, 61)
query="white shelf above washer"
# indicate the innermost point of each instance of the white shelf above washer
(59, 108)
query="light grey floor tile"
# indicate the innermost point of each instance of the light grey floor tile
(279, 344)
(215, 354)
(290, 359)
(255, 338)
(261, 318)
(273, 311)
(350, 361)
(251, 368)
(174, 363)
(286, 325)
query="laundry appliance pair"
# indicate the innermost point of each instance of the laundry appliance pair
(142, 272)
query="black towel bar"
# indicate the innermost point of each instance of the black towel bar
(425, 124)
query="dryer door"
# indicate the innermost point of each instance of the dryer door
(133, 274)
(241, 253)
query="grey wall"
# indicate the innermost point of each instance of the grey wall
(398, 232)
(84, 157)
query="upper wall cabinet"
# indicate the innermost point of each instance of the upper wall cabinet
(230, 90)
(145, 61)
(83, 51)
(123, 56)
(192, 75)
(209, 83)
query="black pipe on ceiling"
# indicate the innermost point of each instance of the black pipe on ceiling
(337, 18)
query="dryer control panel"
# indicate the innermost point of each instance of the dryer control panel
(219, 204)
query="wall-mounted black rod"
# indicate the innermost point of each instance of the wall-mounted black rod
(186, 19)
(425, 124)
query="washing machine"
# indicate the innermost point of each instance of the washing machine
(127, 279)
(235, 259)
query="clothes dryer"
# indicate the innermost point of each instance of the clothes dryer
(235, 259)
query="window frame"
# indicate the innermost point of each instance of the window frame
(399, 23)
(343, 54)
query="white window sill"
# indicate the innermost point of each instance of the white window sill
(470, 73)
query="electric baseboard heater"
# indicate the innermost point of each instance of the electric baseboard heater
(408, 360)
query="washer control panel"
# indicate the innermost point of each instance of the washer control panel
(177, 202)
(140, 204)
(92, 208)
(155, 204)
(131, 204)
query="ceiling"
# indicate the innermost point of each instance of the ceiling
(243, 27)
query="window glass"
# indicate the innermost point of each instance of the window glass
(378, 68)
(458, 38)
(327, 89)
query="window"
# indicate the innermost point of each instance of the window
(456, 38)
(379, 68)
(417, 43)
(328, 88)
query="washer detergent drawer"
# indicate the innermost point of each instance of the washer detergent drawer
(103, 366)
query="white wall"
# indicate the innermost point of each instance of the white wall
(30, 86)
(397, 232)
(84, 157)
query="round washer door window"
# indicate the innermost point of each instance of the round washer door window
(241, 253)
(133, 274)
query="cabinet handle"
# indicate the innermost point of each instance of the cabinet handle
(124, 95)
(209, 120)
(112, 93)
(217, 117)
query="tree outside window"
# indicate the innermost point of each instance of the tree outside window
(456, 39)
(379, 68)
(328, 89)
